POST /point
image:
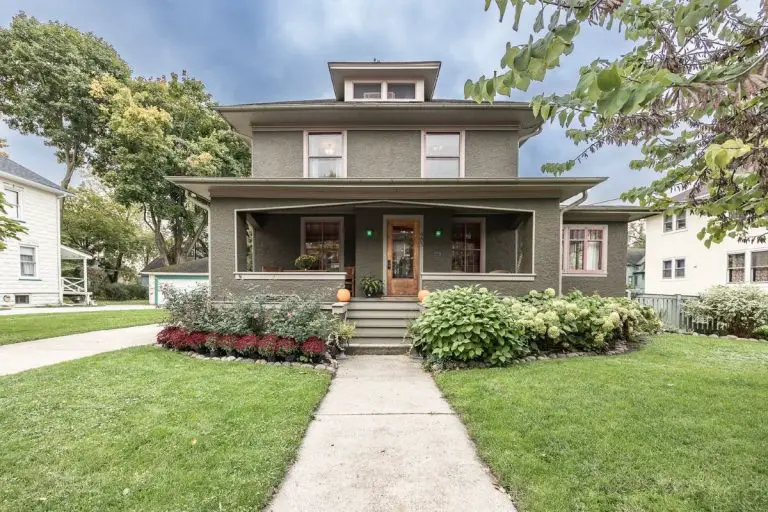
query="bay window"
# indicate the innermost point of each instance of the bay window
(467, 245)
(442, 155)
(585, 249)
(325, 155)
(323, 237)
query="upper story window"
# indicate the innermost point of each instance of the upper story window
(676, 222)
(325, 153)
(12, 206)
(585, 249)
(759, 266)
(392, 90)
(442, 155)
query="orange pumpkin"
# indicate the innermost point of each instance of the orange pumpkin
(343, 295)
(423, 295)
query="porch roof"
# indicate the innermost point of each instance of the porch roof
(351, 188)
(608, 213)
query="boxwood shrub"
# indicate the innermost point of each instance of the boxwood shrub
(475, 324)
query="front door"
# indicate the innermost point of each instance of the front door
(403, 242)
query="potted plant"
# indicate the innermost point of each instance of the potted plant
(372, 286)
(338, 341)
(305, 262)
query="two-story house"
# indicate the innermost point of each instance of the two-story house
(385, 180)
(30, 268)
(678, 263)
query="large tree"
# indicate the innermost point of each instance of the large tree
(46, 70)
(692, 93)
(164, 127)
(93, 222)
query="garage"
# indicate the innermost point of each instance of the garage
(182, 276)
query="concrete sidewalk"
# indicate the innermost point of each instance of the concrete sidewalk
(73, 309)
(384, 439)
(34, 354)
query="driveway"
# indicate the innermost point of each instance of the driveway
(18, 357)
(73, 309)
(384, 439)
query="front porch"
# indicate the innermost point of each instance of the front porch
(409, 247)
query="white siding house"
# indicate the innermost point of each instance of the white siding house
(30, 268)
(677, 262)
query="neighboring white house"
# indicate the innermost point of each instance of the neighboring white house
(677, 262)
(182, 276)
(30, 268)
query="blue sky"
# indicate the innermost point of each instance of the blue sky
(249, 50)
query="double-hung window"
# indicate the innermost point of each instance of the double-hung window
(12, 207)
(666, 269)
(323, 237)
(28, 261)
(325, 155)
(679, 268)
(585, 249)
(442, 155)
(676, 222)
(759, 266)
(669, 222)
(467, 245)
(736, 264)
(673, 268)
(681, 221)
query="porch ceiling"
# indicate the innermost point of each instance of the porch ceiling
(608, 213)
(386, 189)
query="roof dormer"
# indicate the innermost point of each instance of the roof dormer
(384, 81)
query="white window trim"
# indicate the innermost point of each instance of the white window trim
(750, 277)
(349, 89)
(475, 220)
(565, 236)
(322, 131)
(674, 229)
(340, 220)
(37, 262)
(747, 270)
(674, 277)
(10, 187)
(462, 149)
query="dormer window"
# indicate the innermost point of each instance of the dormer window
(388, 90)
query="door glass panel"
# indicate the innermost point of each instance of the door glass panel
(402, 252)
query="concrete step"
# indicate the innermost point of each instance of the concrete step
(387, 305)
(383, 349)
(380, 332)
(381, 313)
(365, 322)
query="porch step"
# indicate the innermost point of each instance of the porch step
(357, 314)
(381, 324)
(374, 349)
(366, 321)
(380, 332)
(386, 305)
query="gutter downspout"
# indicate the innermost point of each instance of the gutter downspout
(579, 201)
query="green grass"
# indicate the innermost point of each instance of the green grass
(145, 429)
(680, 425)
(132, 302)
(16, 328)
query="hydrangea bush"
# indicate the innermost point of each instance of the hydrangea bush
(475, 324)
(737, 310)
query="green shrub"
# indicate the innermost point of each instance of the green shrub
(299, 319)
(468, 324)
(737, 310)
(475, 324)
(761, 332)
(122, 291)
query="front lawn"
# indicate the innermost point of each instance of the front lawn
(147, 429)
(680, 425)
(16, 328)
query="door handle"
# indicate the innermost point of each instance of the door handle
(389, 264)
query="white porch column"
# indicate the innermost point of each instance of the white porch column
(85, 281)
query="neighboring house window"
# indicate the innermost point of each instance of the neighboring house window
(324, 238)
(442, 155)
(12, 208)
(585, 249)
(666, 269)
(679, 268)
(760, 266)
(736, 268)
(21, 299)
(28, 260)
(680, 221)
(325, 155)
(467, 245)
(669, 223)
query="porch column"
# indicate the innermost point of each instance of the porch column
(85, 281)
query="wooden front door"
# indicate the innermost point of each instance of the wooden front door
(403, 256)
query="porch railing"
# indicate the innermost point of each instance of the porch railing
(71, 285)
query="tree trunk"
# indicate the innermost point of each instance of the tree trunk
(68, 174)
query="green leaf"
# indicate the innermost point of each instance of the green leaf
(518, 12)
(539, 23)
(502, 5)
(469, 85)
(608, 79)
(523, 60)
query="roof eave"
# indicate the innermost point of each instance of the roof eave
(34, 184)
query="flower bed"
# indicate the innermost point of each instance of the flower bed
(290, 330)
(472, 324)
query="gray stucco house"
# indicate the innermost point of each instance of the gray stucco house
(385, 180)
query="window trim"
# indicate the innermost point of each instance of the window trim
(475, 220)
(664, 218)
(16, 299)
(36, 262)
(438, 131)
(671, 268)
(565, 236)
(728, 268)
(677, 267)
(329, 131)
(752, 267)
(10, 187)
(674, 218)
(340, 220)
(673, 260)
(684, 219)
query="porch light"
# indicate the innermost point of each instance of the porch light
(369, 233)
(438, 232)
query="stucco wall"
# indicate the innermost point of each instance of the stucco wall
(613, 284)
(491, 154)
(277, 154)
(383, 154)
